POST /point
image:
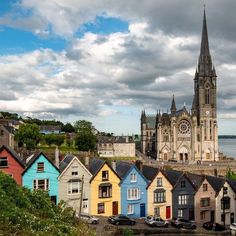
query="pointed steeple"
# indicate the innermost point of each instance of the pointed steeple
(143, 117)
(205, 63)
(173, 106)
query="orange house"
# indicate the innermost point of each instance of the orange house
(11, 164)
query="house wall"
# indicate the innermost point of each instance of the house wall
(73, 200)
(210, 193)
(228, 212)
(14, 168)
(126, 184)
(7, 138)
(178, 190)
(50, 172)
(150, 196)
(94, 192)
(124, 149)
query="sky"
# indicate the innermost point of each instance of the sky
(107, 60)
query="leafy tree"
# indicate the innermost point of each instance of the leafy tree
(68, 128)
(56, 139)
(28, 134)
(85, 139)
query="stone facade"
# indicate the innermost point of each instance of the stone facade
(183, 135)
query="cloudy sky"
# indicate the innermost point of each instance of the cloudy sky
(106, 60)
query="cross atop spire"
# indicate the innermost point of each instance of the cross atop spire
(173, 106)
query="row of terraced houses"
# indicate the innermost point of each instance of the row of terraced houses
(133, 189)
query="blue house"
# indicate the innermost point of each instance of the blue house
(133, 190)
(41, 173)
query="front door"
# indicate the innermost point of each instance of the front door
(191, 214)
(212, 216)
(114, 208)
(142, 210)
(231, 217)
(168, 212)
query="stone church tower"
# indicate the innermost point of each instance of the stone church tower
(182, 135)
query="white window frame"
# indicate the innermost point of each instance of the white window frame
(70, 188)
(36, 184)
(41, 167)
(183, 199)
(180, 213)
(133, 194)
(159, 182)
(4, 159)
(130, 209)
(133, 177)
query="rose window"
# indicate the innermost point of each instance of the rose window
(184, 127)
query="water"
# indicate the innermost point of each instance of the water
(228, 147)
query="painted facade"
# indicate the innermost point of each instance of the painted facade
(41, 173)
(11, 164)
(73, 172)
(159, 193)
(105, 189)
(134, 193)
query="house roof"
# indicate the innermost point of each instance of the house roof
(122, 168)
(196, 179)
(34, 158)
(173, 176)
(65, 162)
(13, 154)
(149, 172)
(232, 184)
(216, 183)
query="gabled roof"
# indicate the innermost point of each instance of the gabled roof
(66, 162)
(122, 168)
(34, 158)
(216, 182)
(96, 165)
(196, 180)
(13, 154)
(232, 184)
(149, 172)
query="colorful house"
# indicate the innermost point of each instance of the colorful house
(182, 194)
(73, 175)
(159, 193)
(41, 173)
(105, 189)
(11, 164)
(204, 199)
(133, 190)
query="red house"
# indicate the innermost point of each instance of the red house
(10, 163)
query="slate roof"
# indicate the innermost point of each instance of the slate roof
(196, 179)
(149, 172)
(122, 168)
(14, 154)
(173, 176)
(65, 162)
(9, 128)
(216, 182)
(232, 184)
(95, 165)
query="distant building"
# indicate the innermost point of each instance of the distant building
(115, 146)
(50, 129)
(186, 135)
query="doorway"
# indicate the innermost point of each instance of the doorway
(142, 210)
(115, 208)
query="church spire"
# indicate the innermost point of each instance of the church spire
(173, 106)
(204, 64)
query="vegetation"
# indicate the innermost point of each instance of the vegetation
(28, 135)
(32, 213)
(68, 128)
(230, 174)
(85, 139)
(56, 139)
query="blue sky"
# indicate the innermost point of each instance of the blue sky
(105, 61)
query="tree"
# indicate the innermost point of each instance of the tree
(56, 139)
(85, 139)
(28, 135)
(68, 128)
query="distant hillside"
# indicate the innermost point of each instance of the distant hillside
(227, 136)
(24, 213)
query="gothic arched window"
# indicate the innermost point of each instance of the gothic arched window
(207, 94)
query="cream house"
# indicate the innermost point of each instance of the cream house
(73, 175)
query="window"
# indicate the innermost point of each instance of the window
(159, 182)
(207, 95)
(74, 186)
(101, 208)
(225, 190)
(180, 213)
(2, 132)
(74, 173)
(133, 178)
(105, 191)
(105, 175)
(133, 194)
(3, 162)
(157, 211)
(159, 197)
(202, 215)
(41, 184)
(40, 167)
(130, 209)
(183, 199)
(204, 187)
(85, 204)
(183, 184)
(205, 202)
(225, 203)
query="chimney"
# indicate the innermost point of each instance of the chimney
(113, 165)
(57, 157)
(139, 165)
(86, 161)
(127, 139)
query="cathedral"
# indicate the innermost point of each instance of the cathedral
(187, 135)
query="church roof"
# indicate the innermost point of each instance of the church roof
(151, 121)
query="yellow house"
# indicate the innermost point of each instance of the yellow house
(159, 196)
(104, 189)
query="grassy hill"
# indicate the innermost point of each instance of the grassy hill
(23, 212)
